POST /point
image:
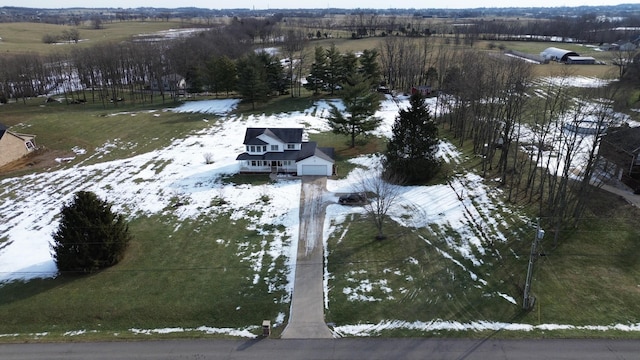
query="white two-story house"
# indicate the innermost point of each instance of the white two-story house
(282, 150)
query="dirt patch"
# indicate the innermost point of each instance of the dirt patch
(39, 159)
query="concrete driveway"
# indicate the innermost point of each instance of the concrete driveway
(307, 304)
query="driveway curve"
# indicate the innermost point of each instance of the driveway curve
(306, 320)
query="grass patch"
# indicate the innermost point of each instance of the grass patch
(186, 273)
(407, 277)
(593, 275)
(250, 179)
(105, 134)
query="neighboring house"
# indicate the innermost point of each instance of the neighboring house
(13, 145)
(173, 83)
(620, 152)
(424, 90)
(283, 150)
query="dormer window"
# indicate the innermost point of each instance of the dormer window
(274, 147)
(291, 146)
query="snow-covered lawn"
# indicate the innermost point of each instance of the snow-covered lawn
(146, 184)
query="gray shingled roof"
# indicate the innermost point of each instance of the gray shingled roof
(286, 135)
(311, 148)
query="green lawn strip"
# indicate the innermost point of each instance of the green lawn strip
(186, 273)
(414, 275)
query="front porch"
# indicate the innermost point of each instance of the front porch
(268, 166)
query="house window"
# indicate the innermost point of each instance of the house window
(264, 148)
(287, 162)
(254, 163)
(30, 145)
(274, 147)
(291, 146)
(253, 149)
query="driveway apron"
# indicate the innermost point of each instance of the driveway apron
(307, 303)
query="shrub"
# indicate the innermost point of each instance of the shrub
(90, 236)
(49, 39)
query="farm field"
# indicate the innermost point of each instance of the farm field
(26, 37)
(213, 252)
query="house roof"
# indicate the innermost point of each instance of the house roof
(285, 155)
(311, 148)
(621, 144)
(308, 149)
(286, 135)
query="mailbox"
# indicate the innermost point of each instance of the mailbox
(266, 328)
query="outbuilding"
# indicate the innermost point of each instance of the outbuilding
(557, 54)
(581, 60)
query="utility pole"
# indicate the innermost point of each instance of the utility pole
(527, 299)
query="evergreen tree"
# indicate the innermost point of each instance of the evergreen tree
(220, 74)
(370, 67)
(348, 67)
(274, 73)
(411, 151)
(333, 72)
(90, 236)
(252, 79)
(317, 77)
(360, 104)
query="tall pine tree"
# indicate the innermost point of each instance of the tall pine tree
(252, 79)
(360, 106)
(411, 151)
(318, 76)
(90, 236)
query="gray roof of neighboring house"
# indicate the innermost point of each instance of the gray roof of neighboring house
(286, 135)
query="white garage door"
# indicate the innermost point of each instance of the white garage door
(314, 169)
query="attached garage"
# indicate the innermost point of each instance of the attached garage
(315, 170)
(318, 162)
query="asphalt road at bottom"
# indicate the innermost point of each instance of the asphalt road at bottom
(352, 349)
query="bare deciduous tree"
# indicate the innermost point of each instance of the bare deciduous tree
(381, 195)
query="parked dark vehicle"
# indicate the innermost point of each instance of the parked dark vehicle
(352, 199)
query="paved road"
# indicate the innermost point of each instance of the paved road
(307, 302)
(352, 349)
